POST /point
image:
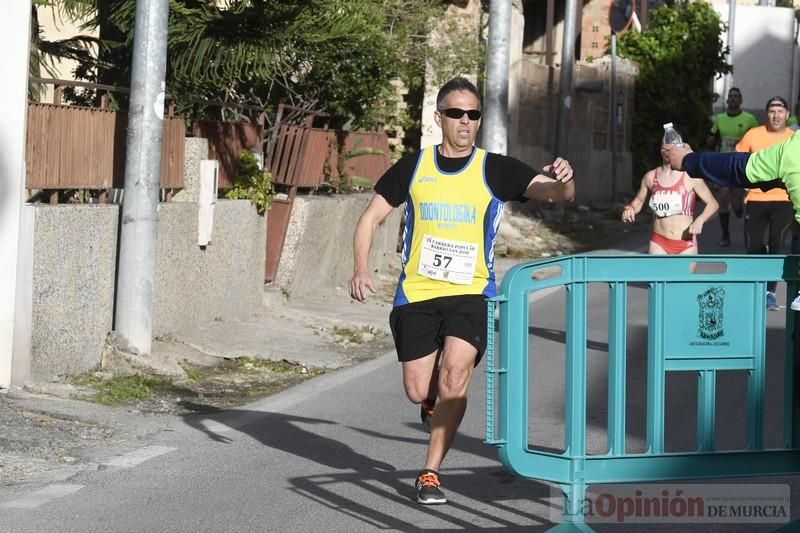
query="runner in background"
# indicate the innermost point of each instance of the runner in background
(726, 130)
(672, 201)
(769, 210)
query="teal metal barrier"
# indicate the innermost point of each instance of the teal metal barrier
(717, 321)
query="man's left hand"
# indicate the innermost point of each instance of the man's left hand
(560, 170)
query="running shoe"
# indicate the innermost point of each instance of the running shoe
(772, 302)
(425, 413)
(725, 242)
(428, 491)
(796, 303)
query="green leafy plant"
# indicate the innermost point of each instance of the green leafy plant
(123, 389)
(679, 55)
(252, 183)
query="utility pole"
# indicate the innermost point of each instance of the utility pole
(134, 302)
(565, 80)
(612, 117)
(495, 113)
(731, 26)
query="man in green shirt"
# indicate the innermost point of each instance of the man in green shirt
(726, 130)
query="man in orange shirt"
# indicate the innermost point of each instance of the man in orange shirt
(767, 210)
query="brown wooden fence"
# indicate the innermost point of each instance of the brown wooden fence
(300, 154)
(70, 147)
(226, 142)
(298, 160)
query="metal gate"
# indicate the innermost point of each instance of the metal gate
(706, 314)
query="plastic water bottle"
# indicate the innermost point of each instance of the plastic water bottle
(671, 136)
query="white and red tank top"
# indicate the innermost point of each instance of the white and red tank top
(676, 199)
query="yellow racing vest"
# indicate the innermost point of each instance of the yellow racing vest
(449, 235)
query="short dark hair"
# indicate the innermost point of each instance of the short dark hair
(459, 83)
(738, 90)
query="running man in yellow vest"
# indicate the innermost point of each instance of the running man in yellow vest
(454, 195)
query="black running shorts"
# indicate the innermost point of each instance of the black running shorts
(419, 328)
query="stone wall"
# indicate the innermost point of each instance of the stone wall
(75, 253)
(222, 280)
(318, 250)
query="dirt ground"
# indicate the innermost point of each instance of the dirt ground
(222, 383)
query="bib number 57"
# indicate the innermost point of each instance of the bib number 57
(439, 260)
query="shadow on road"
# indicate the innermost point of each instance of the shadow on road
(479, 499)
(281, 432)
(375, 492)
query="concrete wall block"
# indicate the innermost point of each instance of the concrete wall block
(195, 150)
(318, 250)
(292, 241)
(223, 280)
(75, 254)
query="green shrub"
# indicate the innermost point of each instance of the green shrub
(252, 183)
(679, 55)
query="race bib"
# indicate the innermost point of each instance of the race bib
(728, 144)
(666, 203)
(446, 260)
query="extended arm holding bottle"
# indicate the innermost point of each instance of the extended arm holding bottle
(726, 170)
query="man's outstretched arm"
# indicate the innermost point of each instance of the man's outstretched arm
(726, 170)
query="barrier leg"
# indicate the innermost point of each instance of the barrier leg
(795, 409)
(794, 415)
(572, 517)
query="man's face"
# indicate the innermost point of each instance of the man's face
(777, 115)
(734, 100)
(460, 132)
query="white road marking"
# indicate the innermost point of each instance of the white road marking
(42, 496)
(138, 456)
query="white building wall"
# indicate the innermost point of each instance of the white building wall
(14, 39)
(54, 26)
(764, 56)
